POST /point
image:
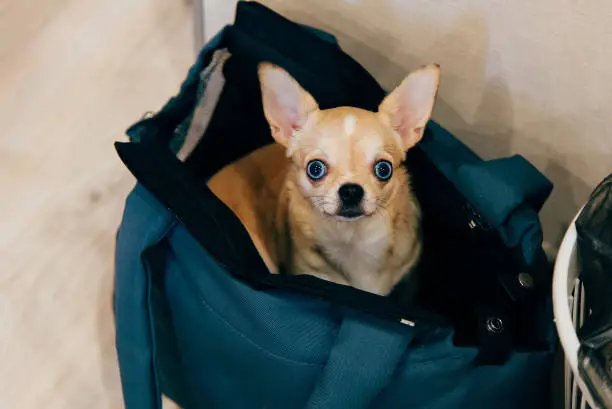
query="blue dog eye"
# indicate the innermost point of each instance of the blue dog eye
(316, 169)
(383, 170)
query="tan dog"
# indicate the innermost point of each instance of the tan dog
(331, 198)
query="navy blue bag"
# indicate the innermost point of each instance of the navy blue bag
(200, 319)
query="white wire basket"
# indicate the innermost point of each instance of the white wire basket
(569, 310)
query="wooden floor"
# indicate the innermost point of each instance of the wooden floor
(73, 75)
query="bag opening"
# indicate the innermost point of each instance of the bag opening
(455, 290)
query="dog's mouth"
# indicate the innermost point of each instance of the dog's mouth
(346, 216)
(350, 213)
(346, 213)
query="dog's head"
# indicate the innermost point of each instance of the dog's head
(348, 160)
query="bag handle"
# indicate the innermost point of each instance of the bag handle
(361, 363)
(135, 343)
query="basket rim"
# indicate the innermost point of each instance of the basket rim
(560, 291)
(561, 305)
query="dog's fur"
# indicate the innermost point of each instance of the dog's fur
(298, 224)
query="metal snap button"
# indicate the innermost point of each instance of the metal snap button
(525, 280)
(495, 325)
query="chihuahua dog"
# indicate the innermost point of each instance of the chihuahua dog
(331, 197)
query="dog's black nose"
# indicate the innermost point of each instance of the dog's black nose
(350, 194)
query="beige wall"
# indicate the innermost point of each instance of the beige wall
(528, 77)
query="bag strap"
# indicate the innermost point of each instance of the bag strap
(135, 346)
(135, 342)
(361, 363)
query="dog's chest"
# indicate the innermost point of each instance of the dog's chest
(356, 250)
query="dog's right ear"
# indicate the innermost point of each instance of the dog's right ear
(286, 104)
(408, 108)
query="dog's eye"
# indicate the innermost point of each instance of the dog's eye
(383, 170)
(316, 169)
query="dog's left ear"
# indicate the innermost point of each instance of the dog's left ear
(286, 104)
(408, 108)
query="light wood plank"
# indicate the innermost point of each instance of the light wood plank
(73, 75)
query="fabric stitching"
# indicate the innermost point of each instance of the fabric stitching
(236, 330)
